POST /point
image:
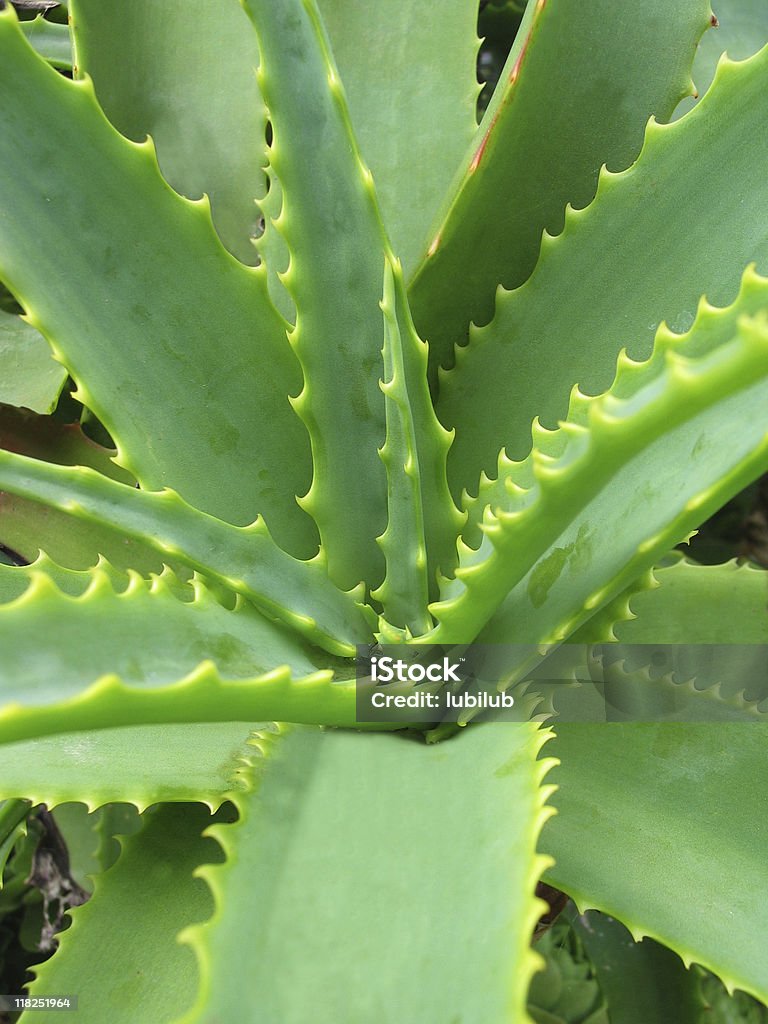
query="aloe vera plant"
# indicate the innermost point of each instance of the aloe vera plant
(375, 373)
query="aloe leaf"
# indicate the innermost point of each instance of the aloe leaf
(553, 121)
(323, 886)
(703, 171)
(205, 413)
(150, 633)
(681, 823)
(13, 816)
(642, 981)
(196, 96)
(31, 377)
(714, 620)
(141, 765)
(52, 41)
(119, 951)
(331, 224)
(713, 604)
(26, 527)
(243, 559)
(641, 465)
(413, 127)
(420, 539)
(741, 30)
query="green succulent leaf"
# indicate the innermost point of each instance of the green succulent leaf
(122, 939)
(52, 41)
(26, 527)
(681, 824)
(628, 475)
(204, 411)
(331, 224)
(552, 122)
(148, 633)
(741, 30)
(311, 878)
(141, 765)
(413, 127)
(420, 540)
(537, 347)
(712, 604)
(195, 94)
(245, 560)
(642, 981)
(31, 377)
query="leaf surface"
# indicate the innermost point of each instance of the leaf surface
(411, 85)
(141, 765)
(627, 476)
(597, 287)
(741, 30)
(661, 827)
(331, 224)
(575, 93)
(120, 952)
(173, 344)
(196, 96)
(243, 559)
(346, 902)
(30, 375)
(51, 40)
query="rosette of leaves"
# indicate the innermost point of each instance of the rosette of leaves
(504, 368)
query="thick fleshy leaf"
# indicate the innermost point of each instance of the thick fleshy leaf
(625, 478)
(51, 40)
(565, 326)
(243, 559)
(141, 765)
(188, 82)
(742, 30)
(148, 633)
(338, 907)
(642, 981)
(29, 375)
(331, 224)
(661, 827)
(420, 540)
(26, 527)
(411, 85)
(120, 954)
(199, 407)
(576, 92)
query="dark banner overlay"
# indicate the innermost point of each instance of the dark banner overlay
(562, 683)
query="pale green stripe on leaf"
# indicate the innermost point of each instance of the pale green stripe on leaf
(243, 559)
(188, 81)
(120, 955)
(349, 903)
(741, 31)
(627, 476)
(412, 89)
(141, 765)
(331, 225)
(679, 808)
(646, 250)
(578, 87)
(29, 375)
(173, 343)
